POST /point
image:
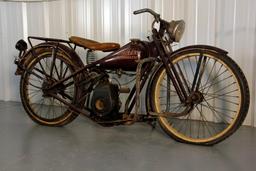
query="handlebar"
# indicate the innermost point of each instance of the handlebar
(157, 16)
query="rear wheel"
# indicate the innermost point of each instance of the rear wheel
(216, 106)
(41, 73)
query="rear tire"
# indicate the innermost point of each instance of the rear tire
(40, 108)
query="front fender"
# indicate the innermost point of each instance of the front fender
(200, 47)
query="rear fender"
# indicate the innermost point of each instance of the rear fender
(33, 52)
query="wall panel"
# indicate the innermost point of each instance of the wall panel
(228, 24)
(11, 29)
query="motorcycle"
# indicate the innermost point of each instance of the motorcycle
(198, 94)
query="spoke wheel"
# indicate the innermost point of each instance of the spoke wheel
(218, 95)
(44, 71)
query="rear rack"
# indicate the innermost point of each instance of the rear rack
(21, 45)
(50, 40)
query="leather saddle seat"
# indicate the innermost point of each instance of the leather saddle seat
(91, 44)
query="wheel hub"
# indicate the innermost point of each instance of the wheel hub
(195, 98)
(47, 84)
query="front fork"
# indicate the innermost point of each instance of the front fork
(171, 71)
(175, 74)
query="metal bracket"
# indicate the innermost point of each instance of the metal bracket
(138, 79)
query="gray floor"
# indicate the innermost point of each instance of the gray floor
(84, 145)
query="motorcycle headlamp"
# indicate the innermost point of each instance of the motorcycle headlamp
(176, 30)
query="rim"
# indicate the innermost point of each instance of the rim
(213, 115)
(44, 108)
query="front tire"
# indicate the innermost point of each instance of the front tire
(217, 114)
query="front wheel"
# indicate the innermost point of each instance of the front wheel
(218, 98)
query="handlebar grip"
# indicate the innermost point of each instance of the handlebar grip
(140, 11)
(157, 16)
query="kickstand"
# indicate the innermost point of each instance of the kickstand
(152, 123)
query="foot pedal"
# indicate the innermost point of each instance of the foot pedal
(124, 89)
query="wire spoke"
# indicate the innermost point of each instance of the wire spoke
(224, 94)
(215, 112)
(220, 90)
(217, 82)
(214, 78)
(206, 123)
(45, 107)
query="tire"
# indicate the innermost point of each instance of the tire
(218, 107)
(43, 109)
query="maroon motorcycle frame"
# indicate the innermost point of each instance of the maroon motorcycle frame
(146, 59)
(158, 51)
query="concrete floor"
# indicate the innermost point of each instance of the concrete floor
(84, 145)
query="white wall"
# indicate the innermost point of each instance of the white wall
(228, 24)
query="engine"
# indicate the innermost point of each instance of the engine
(105, 101)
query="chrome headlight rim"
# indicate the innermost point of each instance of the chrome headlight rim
(176, 29)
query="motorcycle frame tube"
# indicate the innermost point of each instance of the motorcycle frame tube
(144, 74)
(56, 44)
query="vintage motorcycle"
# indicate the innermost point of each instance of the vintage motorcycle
(197, 94)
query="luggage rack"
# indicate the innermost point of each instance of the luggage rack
(50, 40)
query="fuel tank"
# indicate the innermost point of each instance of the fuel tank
(127, 56)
